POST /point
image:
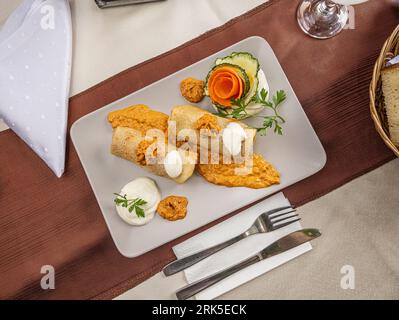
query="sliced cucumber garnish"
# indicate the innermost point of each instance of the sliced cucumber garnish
(250, 64)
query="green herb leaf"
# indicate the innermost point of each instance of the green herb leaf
(239, 108)
(140, 212)
(275, 120)
(263, 94)
(133, 205)
(262, 131)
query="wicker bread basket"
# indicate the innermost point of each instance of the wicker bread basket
(377, 108)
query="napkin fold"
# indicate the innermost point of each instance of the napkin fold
(35, 68)
(239, 251)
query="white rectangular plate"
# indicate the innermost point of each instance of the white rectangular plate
(297, 154)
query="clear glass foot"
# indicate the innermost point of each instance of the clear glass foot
(322, 19)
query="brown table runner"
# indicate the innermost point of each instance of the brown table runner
(50, 221)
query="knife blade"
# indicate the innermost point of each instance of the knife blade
(287, 242)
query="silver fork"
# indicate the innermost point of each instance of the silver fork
(266, 222)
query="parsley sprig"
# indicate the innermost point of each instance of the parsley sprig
(131, 204)
(240, 110)
(274, 121)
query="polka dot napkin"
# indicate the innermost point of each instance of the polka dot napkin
(35, 67)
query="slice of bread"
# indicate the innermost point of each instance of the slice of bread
(390, 88)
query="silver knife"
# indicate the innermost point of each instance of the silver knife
(285, 243)
(117, 3)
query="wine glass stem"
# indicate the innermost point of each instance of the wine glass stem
(326, 9)
(330, 4)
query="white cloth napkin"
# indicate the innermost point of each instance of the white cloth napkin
(35, 67)
(239, 251)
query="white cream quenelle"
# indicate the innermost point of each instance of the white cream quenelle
(173, 164)
(140, 188)
(233, 136)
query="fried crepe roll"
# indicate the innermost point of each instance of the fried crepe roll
(130, 144)
(139, 117)
(207, 125)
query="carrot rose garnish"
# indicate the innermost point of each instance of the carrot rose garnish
(224, 85)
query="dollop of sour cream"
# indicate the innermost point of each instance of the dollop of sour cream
(145, 189)
(173, 164)
(233, 136)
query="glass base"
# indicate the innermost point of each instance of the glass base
(322, 19)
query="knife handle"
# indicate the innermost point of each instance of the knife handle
(117, 3)
(200, 285)
(181, 264)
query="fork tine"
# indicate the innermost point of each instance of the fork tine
(284, 218)
(285, 224)
(268, 213)
(281, 214)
